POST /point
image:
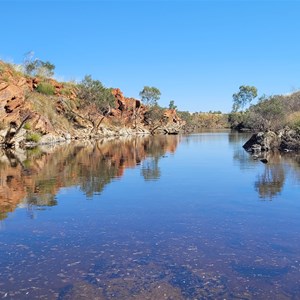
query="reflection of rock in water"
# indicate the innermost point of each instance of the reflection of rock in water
(239, 154)
(271, 182)
(34, 177)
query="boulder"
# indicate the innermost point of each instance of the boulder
(290, 140)
(262, 141)
(284, 140)
(42, 124)
(13, 104)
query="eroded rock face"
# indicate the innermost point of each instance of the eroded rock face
(8, 93)
(128, 111)
(173, 123)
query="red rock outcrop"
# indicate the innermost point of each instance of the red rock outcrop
(128, 111)
(61, 115)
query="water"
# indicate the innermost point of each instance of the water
(169, 217)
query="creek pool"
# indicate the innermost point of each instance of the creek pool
(165, 217)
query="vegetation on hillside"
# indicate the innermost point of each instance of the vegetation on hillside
(203, 120)
(269, 113)
(45, 88)
(93, 92)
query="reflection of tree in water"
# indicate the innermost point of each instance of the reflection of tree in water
(155, 149)
(150, 169)
(294, 161)
(271, 182)
(268, 184)
(98, 173)
(236, 141)
(38, 202)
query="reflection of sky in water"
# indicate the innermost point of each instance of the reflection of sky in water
(198, 231)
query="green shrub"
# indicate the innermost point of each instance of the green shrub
(268, 114)
(294, 120)
(5, 78)
(66, 92)
(45, 88)
(27, 126)
(93, 92)
(33, 137)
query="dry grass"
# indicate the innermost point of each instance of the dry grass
(293, 120)
(45, 106)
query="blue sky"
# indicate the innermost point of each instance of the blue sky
(196, 52)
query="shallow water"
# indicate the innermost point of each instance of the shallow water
(169, 217)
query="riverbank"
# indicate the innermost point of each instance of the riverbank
(40, 110)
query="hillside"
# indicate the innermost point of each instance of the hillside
(40, 110)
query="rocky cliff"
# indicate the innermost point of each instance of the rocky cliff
(29, 115)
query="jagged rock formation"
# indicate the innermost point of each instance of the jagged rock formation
(28, 117)
(172, 124)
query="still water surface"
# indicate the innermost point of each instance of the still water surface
(169, 217)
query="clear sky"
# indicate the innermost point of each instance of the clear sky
(196, 52)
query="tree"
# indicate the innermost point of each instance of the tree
(172, 105)
(46, 68)
(93, 92)
(245, 95)
(150, 95)
(268, 113)
(36, 67)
